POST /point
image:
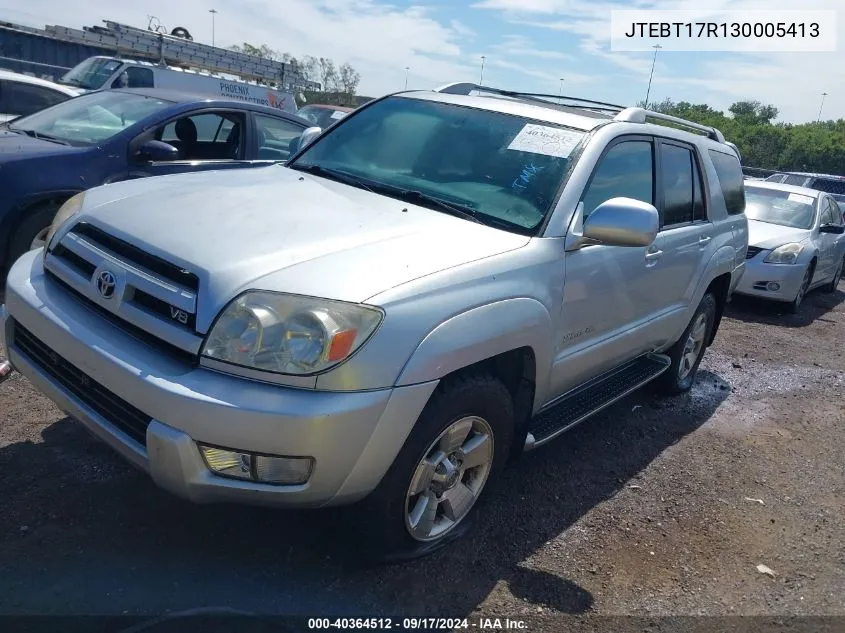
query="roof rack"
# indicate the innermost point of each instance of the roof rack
(641, 115)
(465, 88)
(622, 113)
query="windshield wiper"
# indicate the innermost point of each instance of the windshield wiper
(39, 135)
(415, 196)
(334, 174)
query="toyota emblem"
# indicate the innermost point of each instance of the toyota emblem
(106, 284)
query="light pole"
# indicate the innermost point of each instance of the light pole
(407, 69)
(560, 94)
(481, 81)
(824, 94)
(656, 48)
(213, 13)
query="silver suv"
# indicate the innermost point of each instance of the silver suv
(442, 280)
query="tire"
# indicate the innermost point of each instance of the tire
(794, 306)
(36, 219)
(831, 286)
(680, 375)
(385, 519)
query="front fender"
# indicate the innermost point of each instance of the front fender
(479, 334)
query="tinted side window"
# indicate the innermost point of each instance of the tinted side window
(729, 172)
(140, 77)
(23, 99)
(626, 170)
(676, 181)
(275, 137)
(207, 136)
(828, 216)
(838, 214)
(798, 181)
(829, 185)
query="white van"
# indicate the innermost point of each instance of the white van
(99, 73)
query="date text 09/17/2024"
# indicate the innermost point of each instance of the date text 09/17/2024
(418, 624)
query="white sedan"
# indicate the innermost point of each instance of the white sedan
(21, 94)
(795, 242)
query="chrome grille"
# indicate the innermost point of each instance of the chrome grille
(142, 291)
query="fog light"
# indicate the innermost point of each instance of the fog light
(227, 463)
(283, 470)
(773, 286)
(288, 471)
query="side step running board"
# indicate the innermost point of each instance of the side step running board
(592, 397)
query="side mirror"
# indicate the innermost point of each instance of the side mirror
(308, 136)
(156, 151)
(622, 222)
(834, 229)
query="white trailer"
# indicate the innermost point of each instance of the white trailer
(101, 73)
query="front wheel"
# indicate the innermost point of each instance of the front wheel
(428, 496)
(687, 352)
(795, 305)
(837, 276)
(32, 231)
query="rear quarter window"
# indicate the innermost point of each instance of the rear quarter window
(729, 172)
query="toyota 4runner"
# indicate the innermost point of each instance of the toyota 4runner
(442, 280)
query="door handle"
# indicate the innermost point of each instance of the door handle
(704, 240)
(652, 257)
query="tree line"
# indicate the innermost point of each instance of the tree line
(810, 147)
(339, 84)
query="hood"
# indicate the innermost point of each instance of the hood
(768, 236)
(277, 229)
(14, 145)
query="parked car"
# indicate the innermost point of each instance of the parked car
(21, 94)
(795, 242)
(822, 182)
(108, 136)
(323, 115)
(391, 315)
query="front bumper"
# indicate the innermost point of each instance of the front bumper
(759, 276)
(352, 436)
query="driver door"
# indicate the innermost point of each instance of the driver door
(829, 243)
(606, 309)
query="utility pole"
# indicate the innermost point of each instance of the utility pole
(656, 48)
(407, 69)
(818, 120)
(213, 13)
(561, 87)
(481, 81)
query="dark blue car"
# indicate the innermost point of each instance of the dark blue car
(103, 137)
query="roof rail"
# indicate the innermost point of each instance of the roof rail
(630, 115)
(641, 115)
(465, 88)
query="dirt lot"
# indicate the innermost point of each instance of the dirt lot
(653, 508)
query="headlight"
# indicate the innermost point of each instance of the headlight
(66, 212)
(786, 254)
(289, 334)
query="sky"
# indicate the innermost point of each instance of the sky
(529, 45)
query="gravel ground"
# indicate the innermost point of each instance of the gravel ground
(656, 507)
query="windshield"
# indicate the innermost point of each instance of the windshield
(92, 73)
(780, 207)
(89, 118)
(504, 169)
(311, 114)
